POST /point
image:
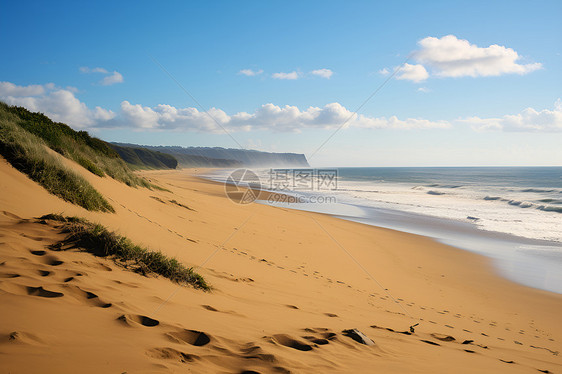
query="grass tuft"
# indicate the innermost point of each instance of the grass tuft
(95, 155)
(28, 154)
(96, 239)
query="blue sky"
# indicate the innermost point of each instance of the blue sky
(481, 87)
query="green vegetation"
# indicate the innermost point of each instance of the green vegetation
(27, 153)
(193, 161)
(96, 239)
(93, 154)
(142, 158)
(183, 159)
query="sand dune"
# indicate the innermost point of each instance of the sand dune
(286, 297)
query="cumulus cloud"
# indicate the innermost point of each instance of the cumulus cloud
(384, 71)
(110, 77)
(414, 73)
(267, 117)
(10, 89)
(290, 76)
(167, 117)
(529, 120)
(323, 73)
(250, 72)
(63, 106)
(450, 56)
(59, 104)
(292, 119)
(115, 77)
(453, 57)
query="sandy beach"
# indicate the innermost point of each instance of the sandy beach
(286, 285)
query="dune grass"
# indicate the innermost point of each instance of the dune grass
(27, 153)
(93, 154)
(96, 239)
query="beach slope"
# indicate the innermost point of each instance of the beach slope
(289, 289)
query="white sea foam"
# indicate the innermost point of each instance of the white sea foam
(516, 216)
(489, 204)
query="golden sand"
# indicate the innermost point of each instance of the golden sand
(286, 285)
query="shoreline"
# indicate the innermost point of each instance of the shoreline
(535, 271)
(284, 292)
(504, 250)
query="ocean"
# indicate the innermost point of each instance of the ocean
(510, 214)
(521, 201)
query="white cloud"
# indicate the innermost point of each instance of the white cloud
(529, 120)
(10, 89)
(58, 104)
(250, 72)
(290, 76)
(414, 73)
(109, 79)
(450, 56)
(267, 117)
(115, 77)
(61, 105)
(384, 71)
(424, 89)
(167, 117)
(324, 73)
(395, 123)
(453, 57)
(85, 69)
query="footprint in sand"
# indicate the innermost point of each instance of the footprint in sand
(208, 307)
(89, 297)
(322, 336)
(38, 253)
(9, 275)
(191, 337)
(331, 315)
(53, 261)
(41, 292)
(20, 337)
(213, 309)
(137, 319)
(507, 361)
(392, 330)
(443, 337)
(171, 354)
(430, 342)
(290, 342)
(35, 238)
(315, 340)
(10, 215)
